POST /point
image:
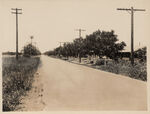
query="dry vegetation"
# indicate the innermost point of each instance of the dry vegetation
(122, 66)
(17, 79)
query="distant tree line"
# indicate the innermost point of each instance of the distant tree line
(100, 43)
(10, 53)
(28, 50)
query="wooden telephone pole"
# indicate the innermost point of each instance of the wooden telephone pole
(80, 30)
(79, 55)
(16, 11)
(131, 11)
(31, 37)
(61, 45)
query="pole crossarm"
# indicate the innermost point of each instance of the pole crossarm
(131, 9)
(123, 9)
(80, 30)
(15, 9)
(139, 9)
(16, 12)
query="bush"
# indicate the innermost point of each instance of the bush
(91, 62)
(100, 62)
(29, 50)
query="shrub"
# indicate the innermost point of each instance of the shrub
(30, 49)
(91, 62)
(100, 62)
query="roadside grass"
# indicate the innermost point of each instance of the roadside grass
(17, 79)
(122, 67)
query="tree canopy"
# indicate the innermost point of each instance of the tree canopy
(30, 50)
(100, 43)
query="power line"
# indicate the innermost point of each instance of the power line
(131, 10)
(16, 11)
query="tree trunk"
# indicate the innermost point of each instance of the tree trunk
(79, 58)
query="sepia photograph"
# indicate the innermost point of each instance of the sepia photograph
(74, 55)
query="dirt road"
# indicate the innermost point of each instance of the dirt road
(66, 86)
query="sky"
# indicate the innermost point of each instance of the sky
(54, 21)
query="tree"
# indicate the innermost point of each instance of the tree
(79, 45)
(92, 43)
(30, 50)
(104, 44)
(141, 54)
(100, 43)
(49, 53)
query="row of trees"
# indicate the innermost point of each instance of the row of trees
(100, 43)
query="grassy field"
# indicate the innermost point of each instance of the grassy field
(17, 79)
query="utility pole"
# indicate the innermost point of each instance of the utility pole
(16, 11)
(60, 46)
(80, 30)
(79, 55)
(131, 11)
(63, 43)
(34, 43)
(31, 37)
